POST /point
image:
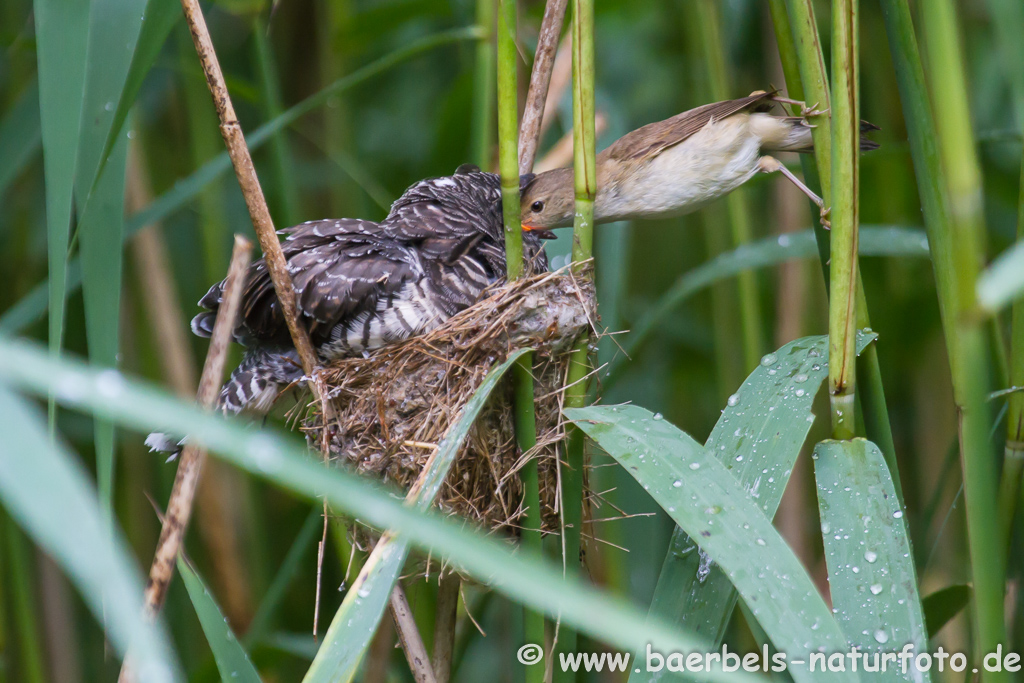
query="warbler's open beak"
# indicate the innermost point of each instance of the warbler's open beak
(540, 232)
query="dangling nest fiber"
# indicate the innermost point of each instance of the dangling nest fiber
(393, 407)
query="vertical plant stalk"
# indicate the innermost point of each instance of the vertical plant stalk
(806, 46)
(1013, 465)
(152, 264)
(842, 316)
(444, 625)
(409, 635)
(508, 132)
(483, 86)
(231, 131)
(540, 80)
(738, 211)
(954, 241)
(965, 336)
(515, 156)
(585, 186)
(190, 465)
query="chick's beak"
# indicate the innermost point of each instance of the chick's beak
(539, 232)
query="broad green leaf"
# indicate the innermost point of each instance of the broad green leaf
(232, 660)
(102, 259)
(19, 136)
(704, 498)
(360, 613)
(941, 606)
(34, 305)
(528, 579)
(1003, 280)
(875, 240)
(758, 439)
(62, 36)
(48, 493)
(871, 572)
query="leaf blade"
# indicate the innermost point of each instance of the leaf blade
(706, 501)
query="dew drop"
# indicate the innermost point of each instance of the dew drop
(733, 400)
(881, 636)
(876, 588)
(871, 556)
(677, 483)
(769, 359)
(694, 465)
(897, 514)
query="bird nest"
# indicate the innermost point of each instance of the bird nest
(394, 406)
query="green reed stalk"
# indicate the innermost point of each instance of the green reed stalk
(1013, 465)
(719, 83)
(806, 45)
(525, 416)
(508, 138)
(947, 169)
(585, 185)
(842, 317)
(18, 562)
(483, 87)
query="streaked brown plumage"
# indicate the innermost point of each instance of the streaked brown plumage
(360, 285)
(678, 165)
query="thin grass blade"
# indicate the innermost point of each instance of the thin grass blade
(527, 579)
(943, 605)
(232, 660)
(62, 36)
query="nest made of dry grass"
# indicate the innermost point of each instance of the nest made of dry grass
(393, 407)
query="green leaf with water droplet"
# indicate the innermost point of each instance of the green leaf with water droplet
(232, 660)
(762, 428)
(867, 548)
(731, 529)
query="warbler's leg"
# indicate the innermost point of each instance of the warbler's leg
(769, 164)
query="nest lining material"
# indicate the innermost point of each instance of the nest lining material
(393, 407)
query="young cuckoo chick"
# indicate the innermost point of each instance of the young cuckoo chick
(676, 166)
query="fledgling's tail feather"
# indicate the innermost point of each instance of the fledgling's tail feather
(252, 389)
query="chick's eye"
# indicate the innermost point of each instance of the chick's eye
(537, 207)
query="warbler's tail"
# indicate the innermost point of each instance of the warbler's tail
(793, 133)
(252, 389)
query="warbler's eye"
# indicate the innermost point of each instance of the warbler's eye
(537, 207)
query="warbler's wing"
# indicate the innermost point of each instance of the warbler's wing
(339, 269)
(655, 138)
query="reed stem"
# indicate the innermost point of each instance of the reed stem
(844, 200)
(945, 164)
(585, 185)
(511, 150)
(737, 208)
(806, 45)
(483, 87)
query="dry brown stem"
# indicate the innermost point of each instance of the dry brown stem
(167, 320)
(409, 635)
(540, 79)
(190, 465)
(444, 625)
